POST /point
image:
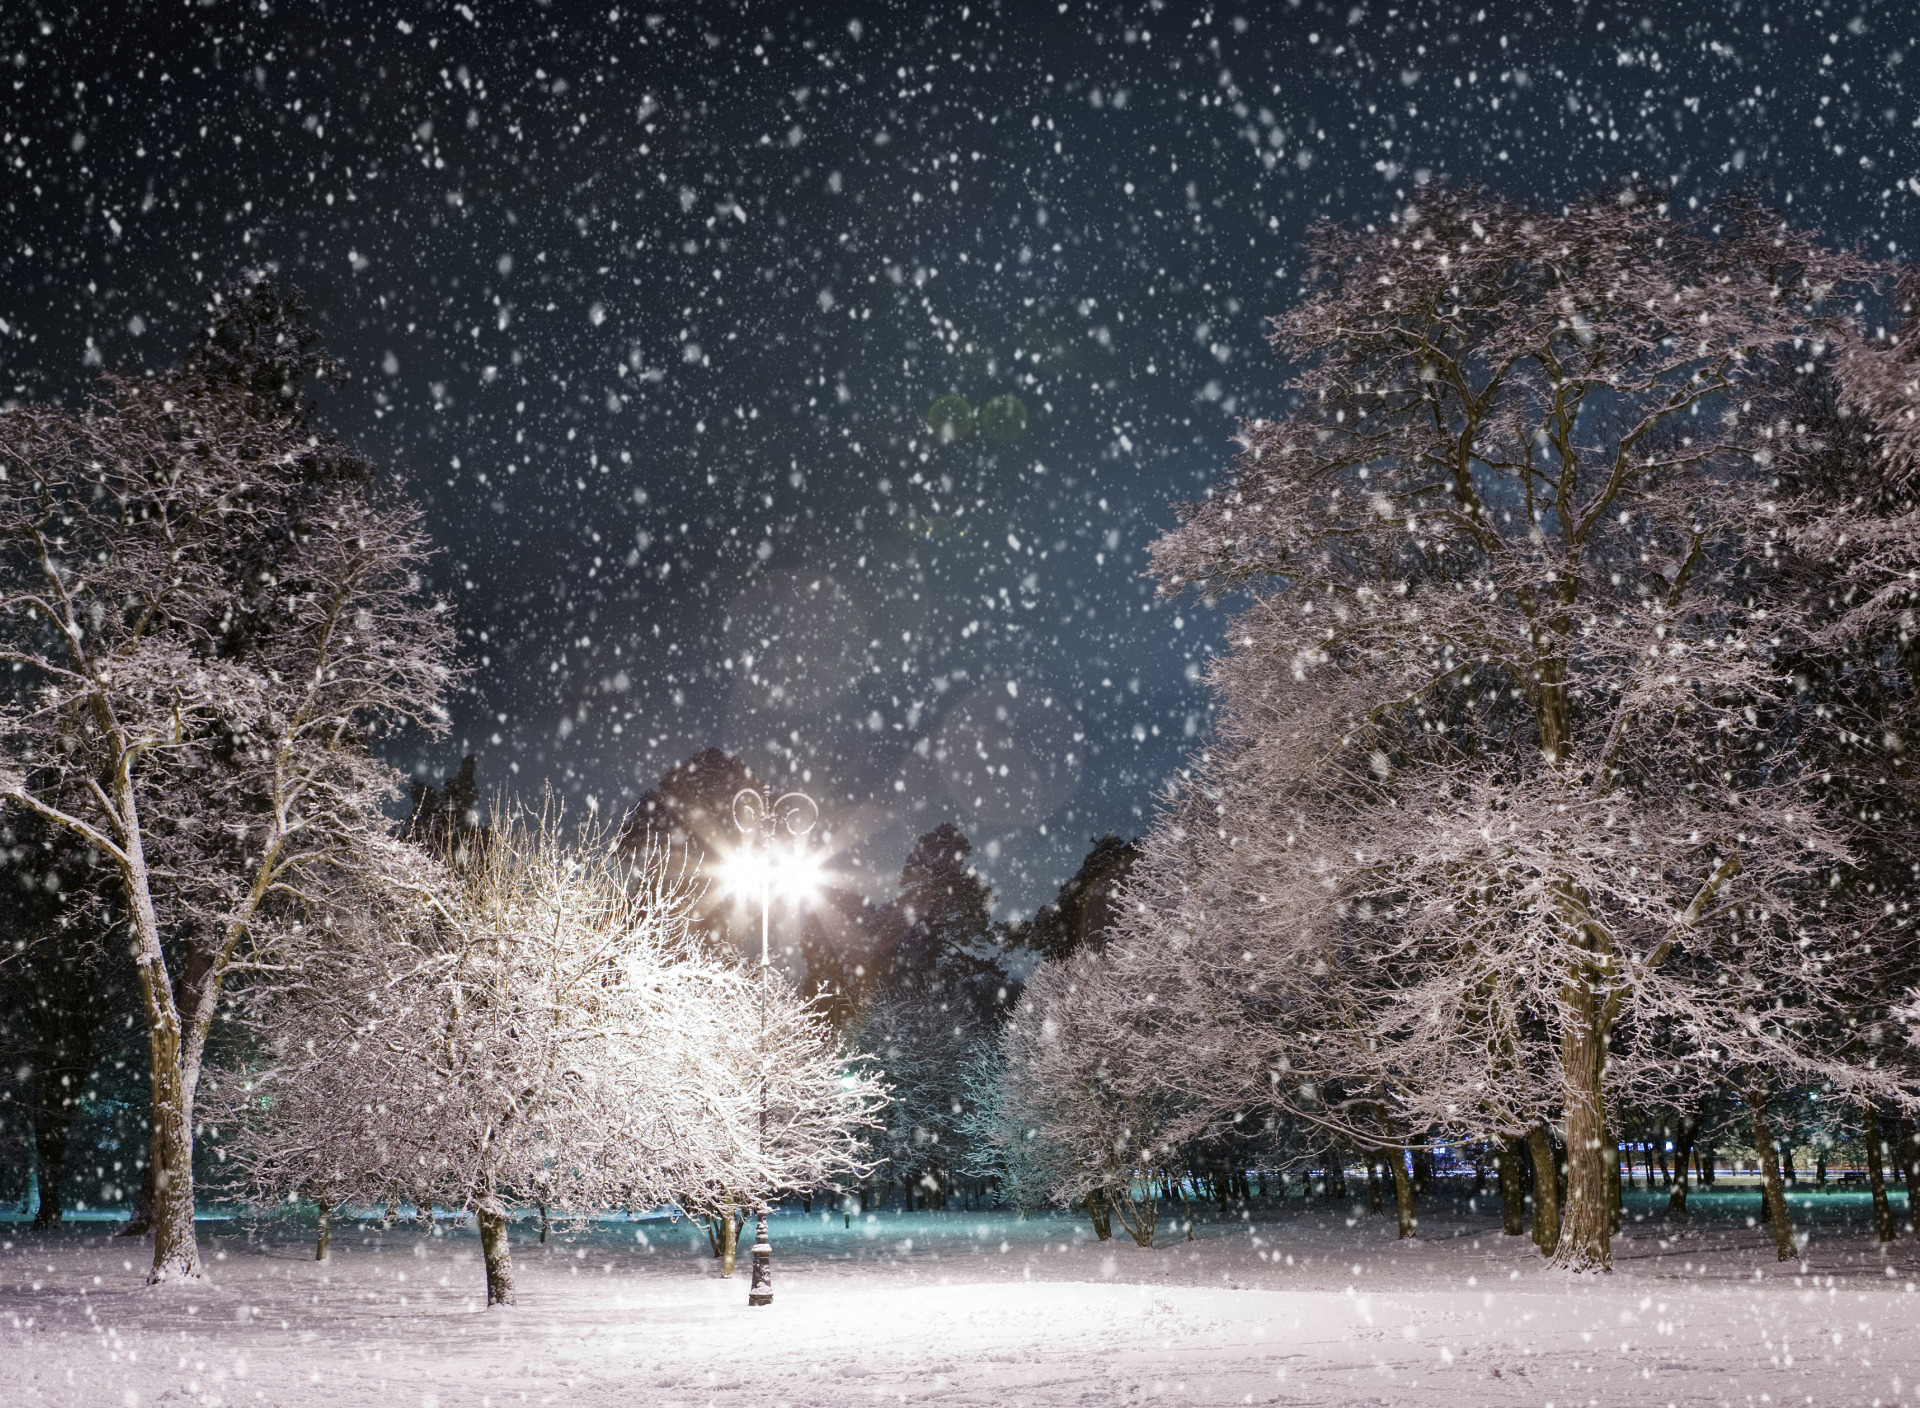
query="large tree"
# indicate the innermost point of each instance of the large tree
(209, 606)
(1503, 751)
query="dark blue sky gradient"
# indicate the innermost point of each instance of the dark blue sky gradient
(648, 306)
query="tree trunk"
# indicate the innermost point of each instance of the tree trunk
(176, 1255)
(1137, 1215)
(1337, 1174)
(1909, 1146)
(545, 1223)
(1877, 1173)
(1586, 1225)
(496, 1252)
(1373, 1182)
(323, 1240)
(1546, 1192)
(1683, 1132)
(729, 1242)
(1513, 1187)
(52, 1123)
(1100, 1210)
(1423, 1169)
(1776, 1198)
(1403, 1195)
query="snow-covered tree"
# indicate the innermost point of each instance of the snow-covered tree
(208, 605)
(998, 1149)
(541, 1026)
(1501, 785)
(921, 1044)
(1094, 1122)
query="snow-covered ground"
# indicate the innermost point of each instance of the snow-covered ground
(1309, 1305)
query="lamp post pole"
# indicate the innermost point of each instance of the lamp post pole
(759, 814)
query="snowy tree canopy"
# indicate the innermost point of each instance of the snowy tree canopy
(1514, 808)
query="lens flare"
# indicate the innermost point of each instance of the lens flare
(789, 874)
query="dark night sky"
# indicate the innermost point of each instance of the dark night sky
(649, 306)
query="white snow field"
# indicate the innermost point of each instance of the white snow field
(1298, 1306)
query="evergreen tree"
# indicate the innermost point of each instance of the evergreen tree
(1087, 905)
(689, 816)
(937, 937)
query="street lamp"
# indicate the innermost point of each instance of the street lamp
(762, 816)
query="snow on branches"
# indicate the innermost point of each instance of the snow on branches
(1513, 804)
(537, 1026)
(208, 608)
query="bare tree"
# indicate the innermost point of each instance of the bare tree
(209, 606)
(1501, 744)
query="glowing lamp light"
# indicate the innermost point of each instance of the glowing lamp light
(787, 873)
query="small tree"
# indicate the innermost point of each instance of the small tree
(545, 1029)
(1093, 1128)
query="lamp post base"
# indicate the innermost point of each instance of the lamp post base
(761, 1292)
